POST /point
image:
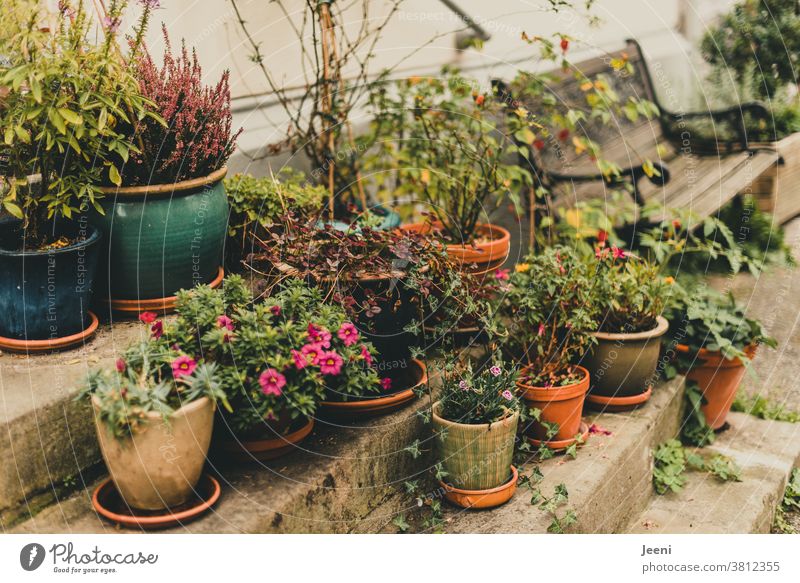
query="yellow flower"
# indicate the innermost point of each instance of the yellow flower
(522, 267)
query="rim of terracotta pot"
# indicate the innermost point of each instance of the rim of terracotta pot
(661, 327)
(561, 393)
(714, 358)
(511, 416)
(52, 344)
(181, 412)
(493, 250)
(367, 404)
(167, 189)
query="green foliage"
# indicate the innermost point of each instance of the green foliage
(552, 506)
(261, 202)
(145, 382)
(550, 315)
(486, 397)
(670, 461)
(695, 430)
(763, 408)
(789, 503)
(248, 341)
(68, 114)
(438, 137)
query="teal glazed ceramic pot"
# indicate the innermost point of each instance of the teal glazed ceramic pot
(159, 239)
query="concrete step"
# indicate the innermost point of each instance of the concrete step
(46, 438)
(608, 481)
(765, 450)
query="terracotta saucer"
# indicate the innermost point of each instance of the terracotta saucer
(265, 449)
(370, 407)
(489, 498)
(618, 404)
(108, 503)
(162, 305)
(563, 444)
(51, 344)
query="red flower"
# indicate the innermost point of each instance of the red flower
(601, 253)
(541, 329)
(618, 253)
(676, 224)
(501, 274)
(366, 355)
(330, 363)
(602, 237)
(563, 135)
(479, 99)
(225, 322)
(120, 365)
(386, 383)
(348, 334)
(276, 310)
(272, 382)
(319, 335)
(147, 317)
(538, 144)
(157, 329)
(564, 44)
(312, 352)
(300, 361)
(183, 366)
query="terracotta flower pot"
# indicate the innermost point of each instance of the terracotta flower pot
(487, 253)
(560, 405)
(476, 457)
(718, 379)
(159, 466)
(275, 440)
(622, 365)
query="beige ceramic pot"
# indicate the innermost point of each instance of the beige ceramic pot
(160, 465)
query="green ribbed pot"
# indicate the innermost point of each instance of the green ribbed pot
(476, 457)
(159, 239)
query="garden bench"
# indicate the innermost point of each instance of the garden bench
(697, 172)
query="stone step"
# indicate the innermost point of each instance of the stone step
(46, 438)
(765, 450)
(609, 481)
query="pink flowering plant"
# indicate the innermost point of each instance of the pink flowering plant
(550, 314)
(150, 377)
(486, 396)
(277, 358)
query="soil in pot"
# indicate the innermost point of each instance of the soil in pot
(159, 466)
(45, 295)
(560, 405)
(161, 238)
(623, 365)
(718, 378)
(409, 376)
(487, 252)
(476, 457)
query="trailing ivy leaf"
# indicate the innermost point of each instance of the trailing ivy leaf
(400, 522)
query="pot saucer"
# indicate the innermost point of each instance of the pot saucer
(158, 305)
(562, 444)
(369, 407)
(265, 449)
(107, 502)
(489, 498)
(618, 404)
(51, 344)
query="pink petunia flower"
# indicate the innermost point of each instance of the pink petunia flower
(319, 335)
(507, 395)
(121, 365)
(348, 333)
(183, 366)
(147, 317)
(366, 355)
(272, 382)
(225, 322)
(618, 253)
(386, 383)
(330, 363)
(495, 370)
(157, 329)
(300, 361)
(501, 274)
(312, 352)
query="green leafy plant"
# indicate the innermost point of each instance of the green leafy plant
(475, 399)
(550, 315)
(789, 504)
(695, 429)
(276, 358)
(67, 117)
(671, 460)
(150, 377)
(763, 408)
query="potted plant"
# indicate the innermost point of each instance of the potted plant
(154, 417)
(450, 155)
(715, 342)
(550, 318)
(258, 204)
(379, 277)
(476, 422)
(631, 296)
(58, 145)
(165, 215)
